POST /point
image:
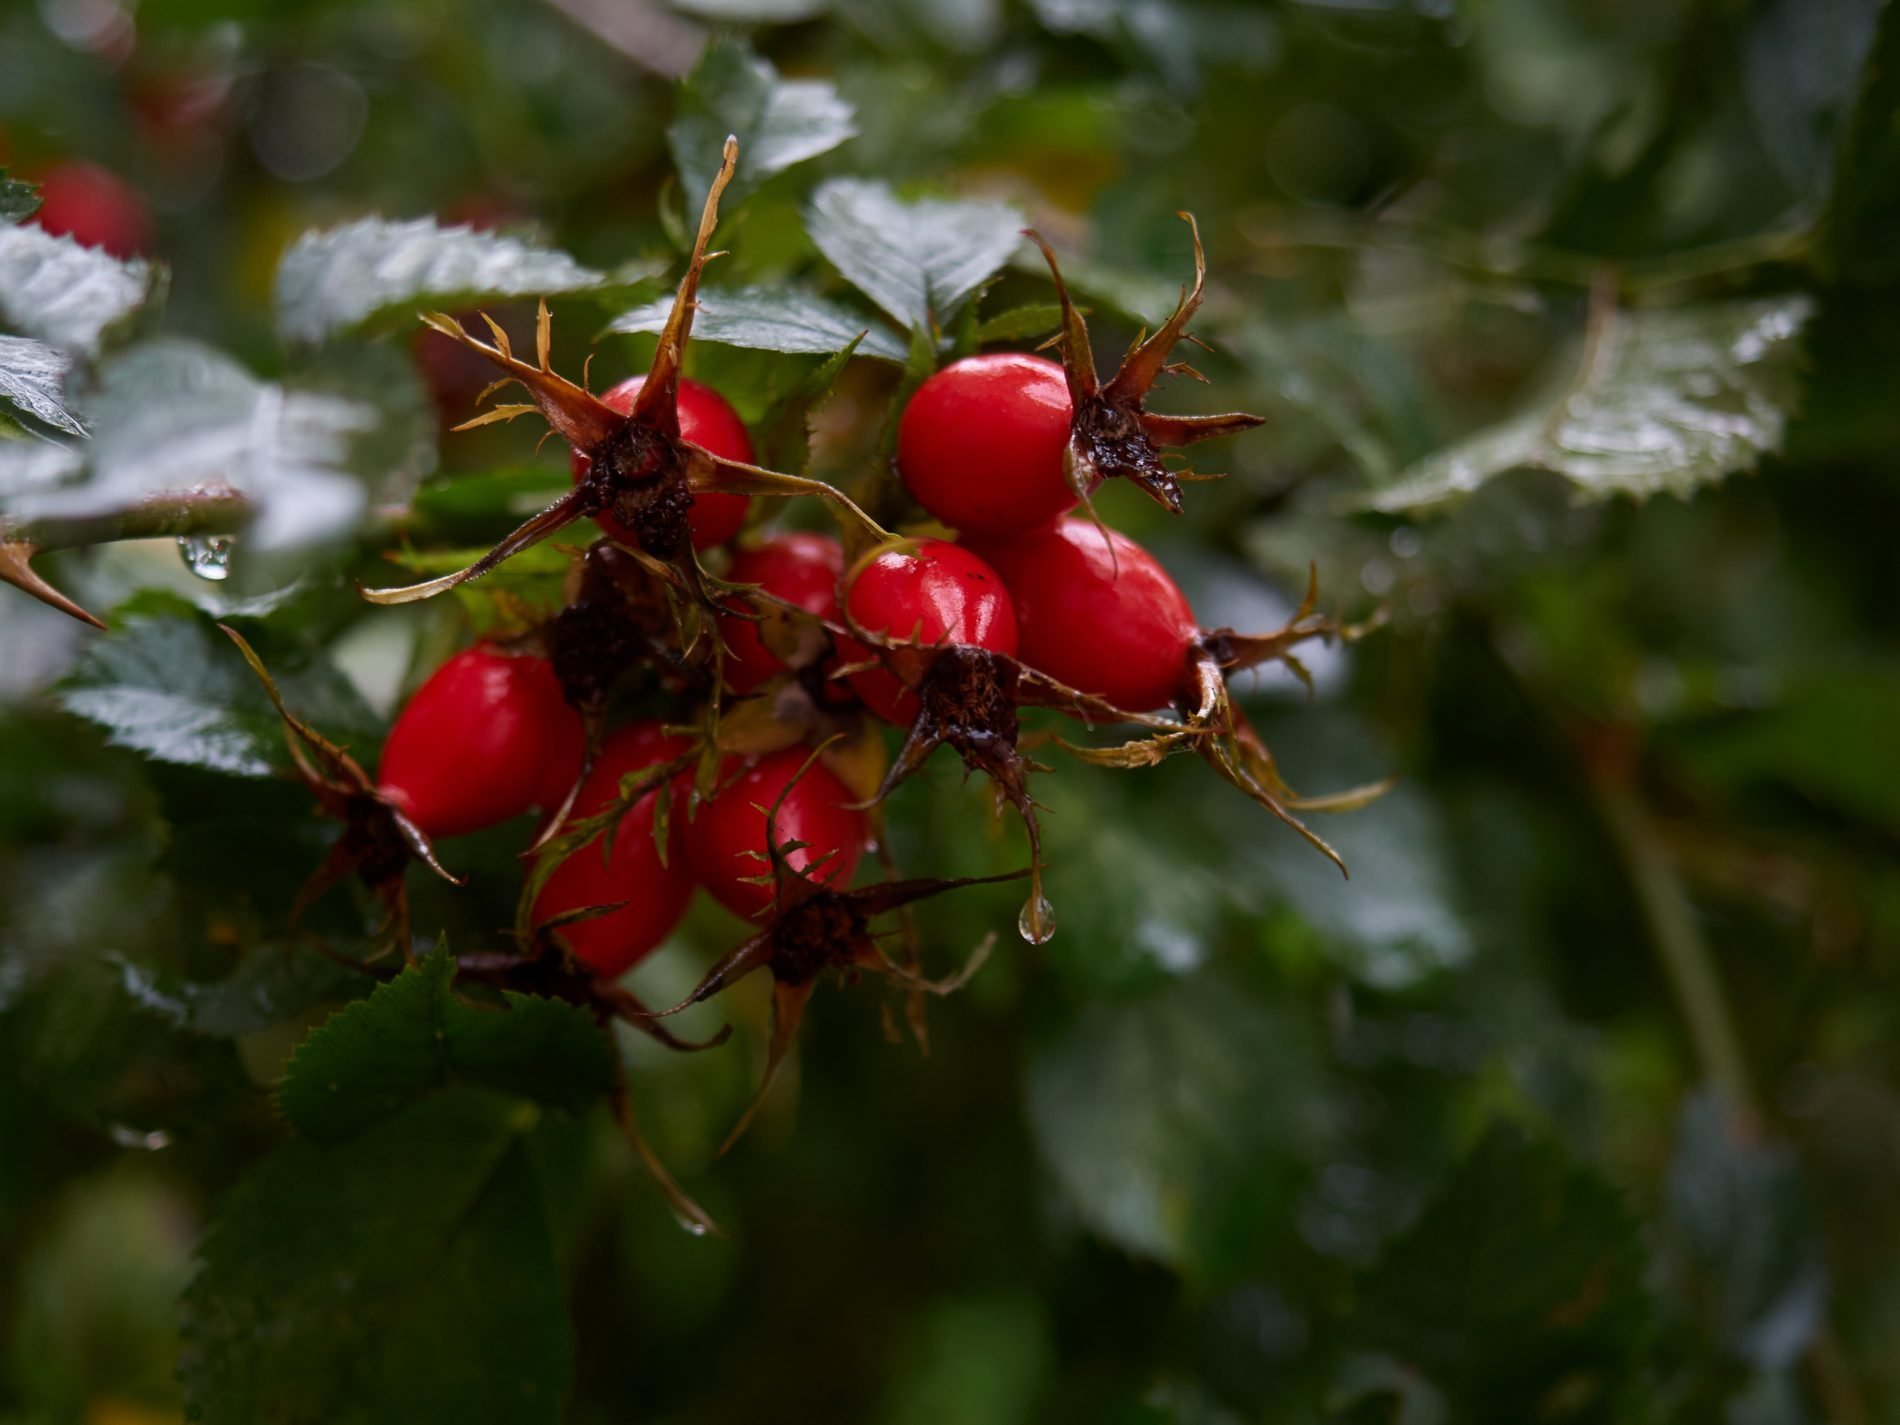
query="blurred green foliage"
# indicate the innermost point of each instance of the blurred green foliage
(1579, 1102)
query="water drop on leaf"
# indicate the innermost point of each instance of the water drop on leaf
(208, 555)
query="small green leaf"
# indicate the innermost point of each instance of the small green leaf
(1662, 401)
(351, 276)
(33, 379)
(65, 295)
(412, 1035)
(408, 1273)
(778, 122)
(1174, 1123)
(1520, 1285)
(1020, 323)
(271, 984)
(19, 200)
(917, 260)
(771, 319)
(165, 683)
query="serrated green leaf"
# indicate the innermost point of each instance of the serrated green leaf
(1524, 1274)
(1661, 401)
(1174, 1123)
(68, 296)
(917, 260)
(771, 319)
(33, 378)
(1021, 323)
(408, 1273)
(308, 452)
(271, 984)
(165, 683)
(778, 122)
(19, 200)
(412, 1036)
(348, 277)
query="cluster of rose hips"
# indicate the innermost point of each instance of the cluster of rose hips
(764, 787)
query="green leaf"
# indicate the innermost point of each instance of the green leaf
(1737, 1207)
(771, 319)
(271, 984)
(1662, 401)
(65, 295)
(1020, 323)
(1519, 1291)
(754, 12)
(408, 1273)
(19, 200)
(33, 379)
(165, 683)
(170, 415)
(1864, 205)
(917, 260)
(779, 122)
(1174, 1123)
(351, 276)
(412, 1035)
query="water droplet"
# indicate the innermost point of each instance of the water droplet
(691, 1225)
(1037, 923)
(208, 555)
(128, 1137)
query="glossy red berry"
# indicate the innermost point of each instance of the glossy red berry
(926, 591)
(981, 444)
(95, 207)
(655, 892)
(725, 838)
(488, 736)
(708, 420)
(802, 569)
(1097, 612)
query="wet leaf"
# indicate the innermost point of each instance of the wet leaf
(18, 200)
(917, 260)
(413, 1036)
(68, 296)
(1662, 401)
(772, 319)
(407, 1271)
(778, 122)
(361, 273)
(271, 984)
(33, 379)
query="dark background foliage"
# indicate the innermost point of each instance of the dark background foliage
(1580, 1102)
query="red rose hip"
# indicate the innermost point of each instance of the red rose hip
(802, 569)
(655, 893)
(708, 420)
(725, 838)
(926, 591)
(1096, 611)
(981, 444)
(488, 736)
(95, 207)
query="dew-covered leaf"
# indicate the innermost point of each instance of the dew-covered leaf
(65, 295)
(413, 1035)
(165, 683)
(1651, 402)
(772, 319)
(778, 122)
(1174, 1122)
(307, 452)
(346, 277)
(406, 1273)
(19, 200)
(33, 379)
(1519, 1285)
(917, 260)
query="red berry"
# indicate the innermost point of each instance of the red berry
(981, 444)
(931, 592)
(725, 839)
(655, 893)
(802, 569)
(96, 207)
(708, 420)
(1098, 613)
(488, 736)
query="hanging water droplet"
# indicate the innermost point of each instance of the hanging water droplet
(126, 1136)
(208, 555)
(691, 1225)
(1037, 923)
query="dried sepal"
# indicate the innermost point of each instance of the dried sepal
(1111, 433)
